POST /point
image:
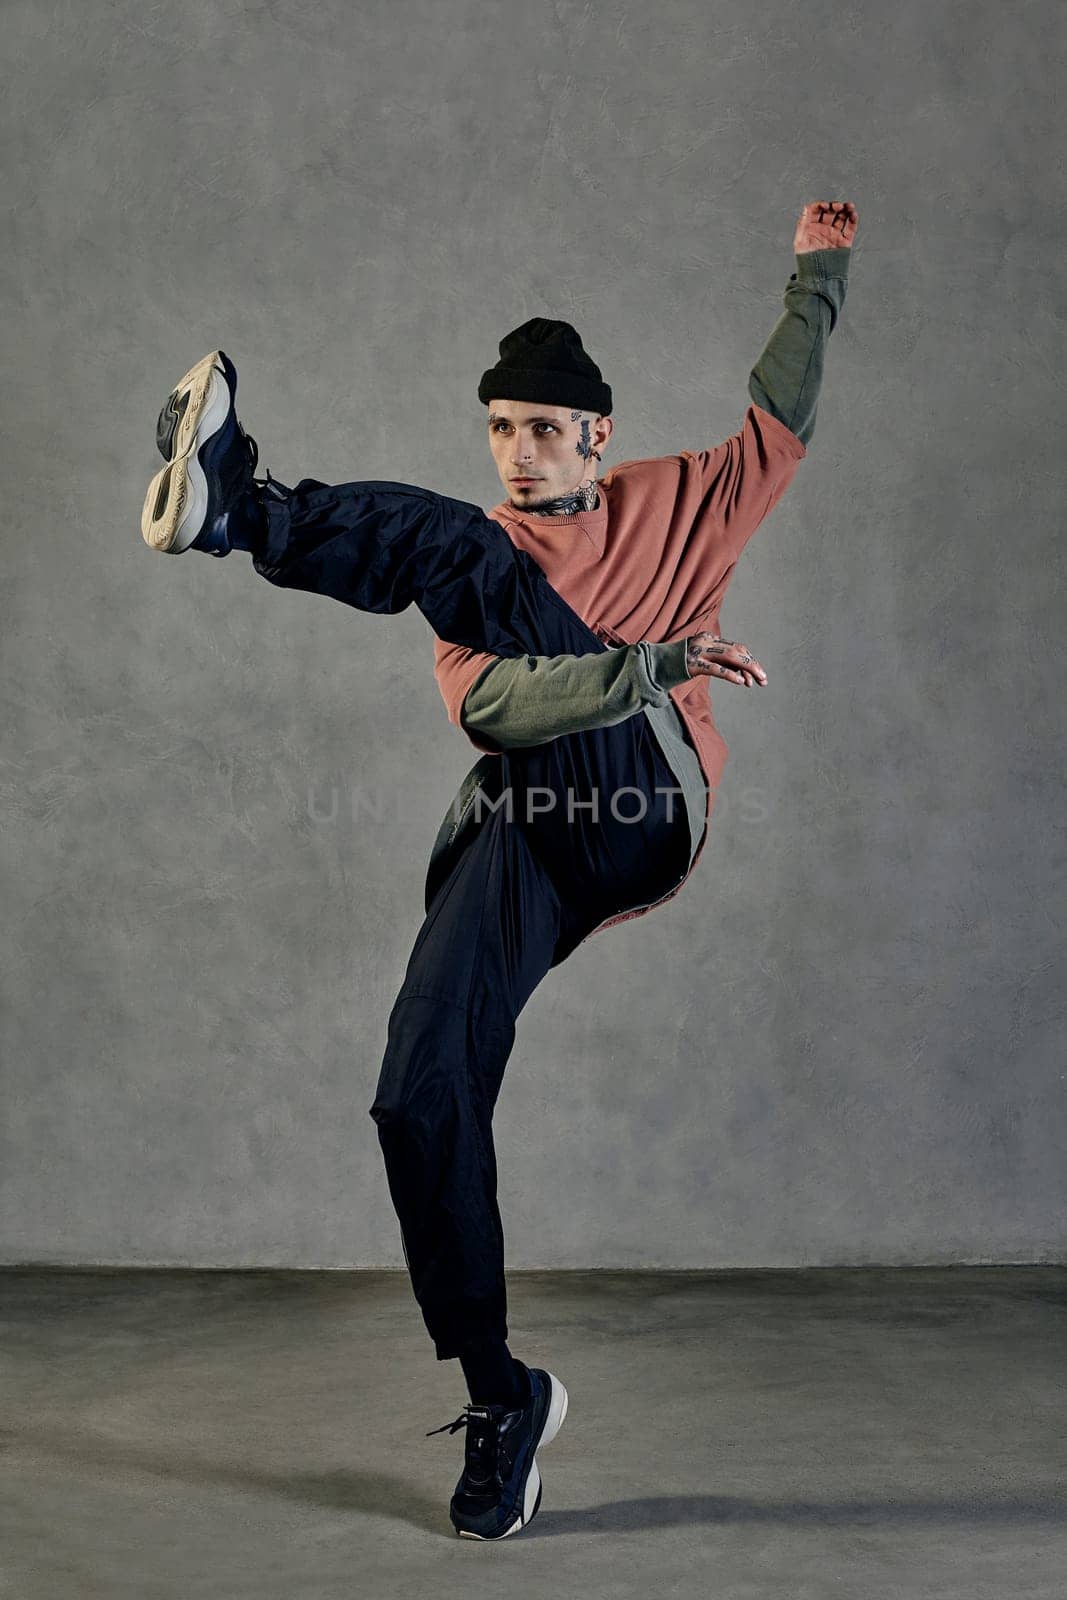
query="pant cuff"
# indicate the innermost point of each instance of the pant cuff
(268, 558)
(457, 1325)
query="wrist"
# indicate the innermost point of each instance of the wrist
(815, 266)
(669, 663)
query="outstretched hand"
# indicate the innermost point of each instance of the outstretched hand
(711, 656)
(825, 225)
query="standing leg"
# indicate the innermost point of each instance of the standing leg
(515, 903)
(488, 938)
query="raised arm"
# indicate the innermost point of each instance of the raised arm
(788, 375)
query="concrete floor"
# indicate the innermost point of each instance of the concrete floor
(850, 1433)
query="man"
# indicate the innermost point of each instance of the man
(559, 615)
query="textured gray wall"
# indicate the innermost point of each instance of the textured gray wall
(842, 1043)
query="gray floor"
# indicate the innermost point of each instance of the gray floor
(848, 1433)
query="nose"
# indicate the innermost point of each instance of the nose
(521, 454)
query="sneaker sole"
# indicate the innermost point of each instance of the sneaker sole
(531, 1499)
(175, 507)
(184, 407)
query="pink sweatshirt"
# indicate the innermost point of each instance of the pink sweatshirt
(652, 561)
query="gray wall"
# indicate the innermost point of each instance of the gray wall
(842, 1043)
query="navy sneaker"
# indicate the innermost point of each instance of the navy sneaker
(202, 495)
(500, 1487)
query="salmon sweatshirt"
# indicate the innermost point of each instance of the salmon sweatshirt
(649, 566)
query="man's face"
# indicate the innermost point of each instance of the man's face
(548, 445)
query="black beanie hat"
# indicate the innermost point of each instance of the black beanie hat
(544, 361)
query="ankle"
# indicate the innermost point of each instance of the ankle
(493, 1375)
(246, 523)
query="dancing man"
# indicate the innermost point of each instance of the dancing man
(575, 625)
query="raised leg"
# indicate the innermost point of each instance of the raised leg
(382, 546)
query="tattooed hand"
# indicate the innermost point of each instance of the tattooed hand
(710, 655)
(826, 225)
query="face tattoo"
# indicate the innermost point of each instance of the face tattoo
(584, 498)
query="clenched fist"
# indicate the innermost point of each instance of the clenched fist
(709, 655)
(825, 225)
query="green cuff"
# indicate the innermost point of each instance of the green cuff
(668, 663)
(815, 266)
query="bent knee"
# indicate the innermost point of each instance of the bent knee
(424, 1064)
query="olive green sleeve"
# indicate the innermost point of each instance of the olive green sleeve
(528, 700)
(788, 375)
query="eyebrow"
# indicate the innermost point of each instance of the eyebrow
(496, 416)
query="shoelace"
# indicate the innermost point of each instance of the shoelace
(268, 484)
(470, 1413)
(482, 1440)
(271, 485)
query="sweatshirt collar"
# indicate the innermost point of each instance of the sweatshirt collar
(592, 524)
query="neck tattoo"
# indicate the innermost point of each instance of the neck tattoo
(584, 498)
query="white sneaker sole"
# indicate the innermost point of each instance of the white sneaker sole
(176, 503)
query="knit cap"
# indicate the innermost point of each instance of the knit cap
(543, 361)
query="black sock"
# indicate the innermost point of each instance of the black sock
(493, 1375)
(246, 523)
